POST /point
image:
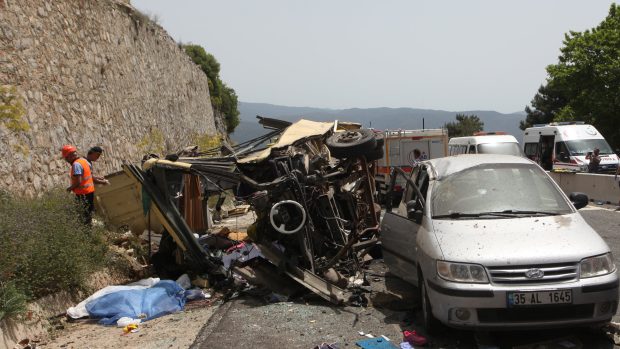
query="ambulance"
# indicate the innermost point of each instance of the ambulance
(400, 149)
(565, 146)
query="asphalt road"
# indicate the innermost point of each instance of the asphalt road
(252, 322)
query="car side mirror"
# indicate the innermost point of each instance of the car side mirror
(579, 200)
(413, 212)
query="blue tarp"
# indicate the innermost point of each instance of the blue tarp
(163, 298)
(375, 343)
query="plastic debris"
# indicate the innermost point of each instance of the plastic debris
(277, 298)
(132, 328)
(414, 338)
(126, 321)
(196, 294)
(406, 345)
(184, 281)
(327, 346)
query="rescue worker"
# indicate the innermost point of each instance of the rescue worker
(93, 155)
(82, 183)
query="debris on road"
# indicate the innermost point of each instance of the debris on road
(131, 328)
(612, 331)
(557, 343)
(327, 346)
(414, 338)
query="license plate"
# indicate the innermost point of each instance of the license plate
(517, 299)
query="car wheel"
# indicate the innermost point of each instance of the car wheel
(351, 143)
(430, 322)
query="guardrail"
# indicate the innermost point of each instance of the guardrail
(598, 187)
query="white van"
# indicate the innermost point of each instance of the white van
(485, 143)
(564, 146)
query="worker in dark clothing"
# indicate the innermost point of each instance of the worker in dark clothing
(93, 155)
(595, 160)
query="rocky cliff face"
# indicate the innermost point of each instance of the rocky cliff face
(93, 73)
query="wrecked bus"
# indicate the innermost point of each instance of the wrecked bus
(313, 194)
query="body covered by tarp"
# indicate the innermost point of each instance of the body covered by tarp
(163, 298)
(79, 311)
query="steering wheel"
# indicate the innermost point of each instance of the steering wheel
(287, 217)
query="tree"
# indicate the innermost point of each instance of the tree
(223, 98)
(585, 83)
(465, 125)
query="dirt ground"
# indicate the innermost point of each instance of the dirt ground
(171, 331)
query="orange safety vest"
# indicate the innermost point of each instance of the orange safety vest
(87, 185)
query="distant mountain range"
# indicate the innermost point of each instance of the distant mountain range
(378, 118)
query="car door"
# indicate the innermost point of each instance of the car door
(399, 233)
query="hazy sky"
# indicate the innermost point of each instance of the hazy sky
(449, 55)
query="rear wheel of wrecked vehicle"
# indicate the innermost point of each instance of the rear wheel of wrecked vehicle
(351, 143)
(376, 154)
(380, 142)
(430, 322)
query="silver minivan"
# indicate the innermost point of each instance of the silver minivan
(491, 241)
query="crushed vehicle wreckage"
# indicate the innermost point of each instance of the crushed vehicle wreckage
(313, 193)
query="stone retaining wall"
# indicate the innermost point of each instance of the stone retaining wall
(93, 72)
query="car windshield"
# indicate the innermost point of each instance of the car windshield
(509, 189)
(581, 147)
(500, 148)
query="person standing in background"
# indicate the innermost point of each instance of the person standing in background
(82, 183)
(595, 160)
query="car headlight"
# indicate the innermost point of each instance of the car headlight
(597, 266)
(462, 272)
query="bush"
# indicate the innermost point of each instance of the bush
(43, 246)
(12, 300)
